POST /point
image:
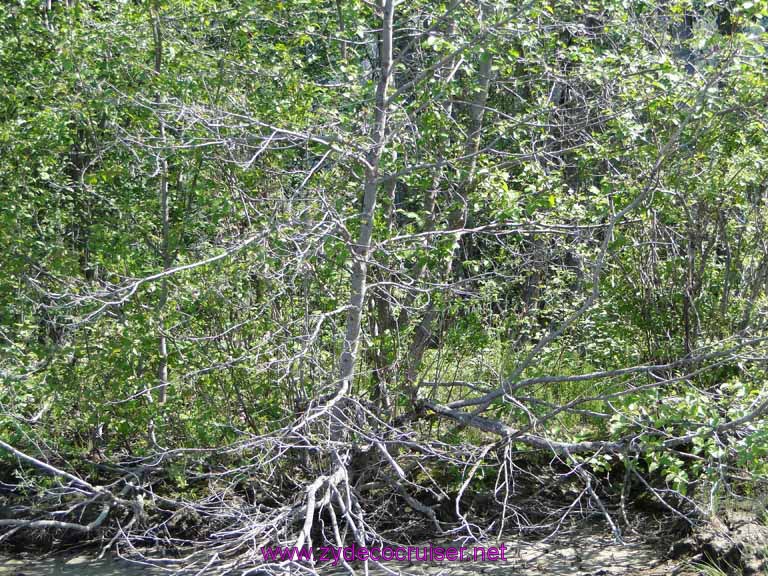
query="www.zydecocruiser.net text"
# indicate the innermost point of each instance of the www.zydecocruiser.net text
(336, 555)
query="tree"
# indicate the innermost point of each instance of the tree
(375, 256)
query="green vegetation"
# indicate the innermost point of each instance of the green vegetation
(291, 266)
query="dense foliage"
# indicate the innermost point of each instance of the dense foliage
(401, 246)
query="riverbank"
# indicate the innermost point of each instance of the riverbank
(87, 564)
(588, 551)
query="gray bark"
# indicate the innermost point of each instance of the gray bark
(361, 249)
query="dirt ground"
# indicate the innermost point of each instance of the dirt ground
(586, 554)
(739, 542)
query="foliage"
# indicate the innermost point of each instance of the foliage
(567, 235)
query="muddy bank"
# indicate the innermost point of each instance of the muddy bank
(735, 541)
(71, 565)
(584, 552)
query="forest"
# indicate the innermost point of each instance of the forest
(324, 272)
